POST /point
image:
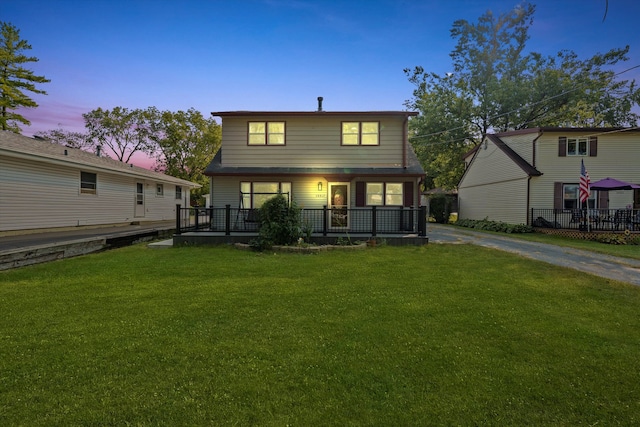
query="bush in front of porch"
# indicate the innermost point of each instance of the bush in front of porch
(280, 224)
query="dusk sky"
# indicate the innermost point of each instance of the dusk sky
(276, 55)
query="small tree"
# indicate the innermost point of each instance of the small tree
(440, 208)
(15, 79)
(280, 224)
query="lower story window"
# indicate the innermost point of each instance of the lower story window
(254, 194)
(571, 197)
(178, 192)
(88, 183)
(384, 194)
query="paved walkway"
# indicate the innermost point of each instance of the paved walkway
(610, 267)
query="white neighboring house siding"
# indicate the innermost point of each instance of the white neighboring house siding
(493, 187)
(312, 142)
(37, 195)
(618, 157)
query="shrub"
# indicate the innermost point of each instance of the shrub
(440, 208)
(280, 224)
(501, 227)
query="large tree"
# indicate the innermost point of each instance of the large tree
(121, 131)
(67, 138)
(186, 143)
(15, 79)
(495, 86)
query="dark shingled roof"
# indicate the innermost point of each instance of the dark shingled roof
(413, 168)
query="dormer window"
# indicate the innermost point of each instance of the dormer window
(266, 133)
(360, 133)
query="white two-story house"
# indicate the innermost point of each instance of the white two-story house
(511, 175)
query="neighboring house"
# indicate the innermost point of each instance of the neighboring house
(45, 185)
(338, 160)
(510, 173)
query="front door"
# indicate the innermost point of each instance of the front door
(139, 202)
(338, 205)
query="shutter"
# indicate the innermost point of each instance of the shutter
(361, 189)
(562, 146)
(408, 194)
(557, 195)
(603, 199)
(593, 146)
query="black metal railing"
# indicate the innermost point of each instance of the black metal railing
(370, 220)
(587, 219)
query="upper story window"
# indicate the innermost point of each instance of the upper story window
(360, 133)
(88, 183)
(577, 147)
(266, 133)
(580, 146)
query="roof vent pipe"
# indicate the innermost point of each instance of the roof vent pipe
(98, 150)
(319, 103)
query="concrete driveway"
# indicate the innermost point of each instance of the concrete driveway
(610, 267)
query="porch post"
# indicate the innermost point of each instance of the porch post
(374, 224)
(178, 219)
(324, 220)
(422, 221)
(227, 220)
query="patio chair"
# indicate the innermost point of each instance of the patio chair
(576, 217)
(622, 217)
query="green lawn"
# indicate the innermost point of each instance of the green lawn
(435, 335)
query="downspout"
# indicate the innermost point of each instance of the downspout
(533, 157)
(405, 141)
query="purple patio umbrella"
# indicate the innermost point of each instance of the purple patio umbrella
(613, 184)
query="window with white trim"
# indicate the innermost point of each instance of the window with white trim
(178, 192)
(88, 183)
(266, 133)
(384, 194)
(254, 194)
(360, 133)
(577, 146)
(571, 197)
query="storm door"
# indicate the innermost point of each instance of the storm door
(139, 206)
(338, 205)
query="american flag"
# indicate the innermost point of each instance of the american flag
(585, 184)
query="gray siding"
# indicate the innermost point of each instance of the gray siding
(312, 142)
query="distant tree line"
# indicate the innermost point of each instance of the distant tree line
(182, 143)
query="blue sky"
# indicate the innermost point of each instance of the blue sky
(277, 55)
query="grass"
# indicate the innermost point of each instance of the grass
(436, 335)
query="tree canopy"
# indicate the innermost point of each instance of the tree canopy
(185, 144)
(15, 79)
(182, 143)
(495, 86)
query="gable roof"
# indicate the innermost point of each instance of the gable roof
(413, 168)
(515, 157)
(20, 146)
